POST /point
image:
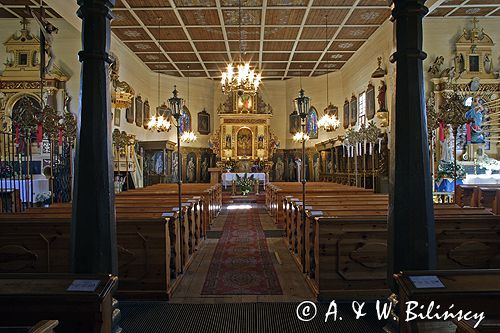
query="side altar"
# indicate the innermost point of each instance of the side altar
(244, 142)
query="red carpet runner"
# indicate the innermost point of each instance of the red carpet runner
(241, 264)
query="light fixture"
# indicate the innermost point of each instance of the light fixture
(158, 122)
(302, 104)
(329, 121)
(245, 79)
(379, 72)
(188, 136)
(300, 136)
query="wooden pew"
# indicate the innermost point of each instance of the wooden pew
(476, 195)
(345, 256)
(151, 255)
(276, 192)
(477, 291)
(26, 299)
(44, 326)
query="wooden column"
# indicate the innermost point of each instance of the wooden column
(93, 229)
(411, 242)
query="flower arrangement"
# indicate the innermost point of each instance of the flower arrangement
(488, 163)
(6, 170)
(229, 165)
(445, 170)
(245, 183)
(43, 198)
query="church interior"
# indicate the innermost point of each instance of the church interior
(250, 166)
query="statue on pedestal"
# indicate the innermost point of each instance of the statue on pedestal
(475, 119)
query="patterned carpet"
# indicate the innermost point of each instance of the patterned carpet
(242, 264)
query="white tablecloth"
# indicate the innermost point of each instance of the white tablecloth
(228, 177)
(482, 179)
(24, 187)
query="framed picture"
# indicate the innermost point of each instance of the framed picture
(117, 116)
(354, 110)
(147, 114)
(139, 109)
(370, 102)
(294, 120)
(346, 114)
(204, 122)
(129, 113)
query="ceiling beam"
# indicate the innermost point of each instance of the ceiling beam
(325, 51)
(297, 39)
(224, 32)
(262, 31)
(150, 34)
(176, 12)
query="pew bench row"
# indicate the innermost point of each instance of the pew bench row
(156, 243)
(342, 246)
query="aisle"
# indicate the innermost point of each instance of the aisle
(243, 260)
(242, 263)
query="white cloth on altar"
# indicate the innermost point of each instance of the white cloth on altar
(228, 177)
(24, 187)
(482, 179)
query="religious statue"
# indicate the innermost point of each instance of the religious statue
(381, 97)
(299, 162)
(475, 119)
(228, 141)
(48, 30)
(3, 100)
(460, 63)
(316, 169)
(204, 169)
(330, 166)
(487, 64)
(190, 170)
(280, 169)
(291, 170)
(447, 145)
(175, 165)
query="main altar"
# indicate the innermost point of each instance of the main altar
(244, 142)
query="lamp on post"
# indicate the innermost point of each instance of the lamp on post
(302, 106)
(176, 108)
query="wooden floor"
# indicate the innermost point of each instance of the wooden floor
(292, 282)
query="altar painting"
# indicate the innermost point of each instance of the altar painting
(244, 140)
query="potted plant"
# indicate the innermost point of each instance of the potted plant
(43, 199)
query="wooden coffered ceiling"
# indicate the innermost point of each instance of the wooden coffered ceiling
(282, 38)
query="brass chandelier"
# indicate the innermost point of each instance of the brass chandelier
(158, 121)
(241, 77)
(329, 121)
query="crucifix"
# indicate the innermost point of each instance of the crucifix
(46, 38)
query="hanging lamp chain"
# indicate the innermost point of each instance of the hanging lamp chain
(327, 59)
(159, 37)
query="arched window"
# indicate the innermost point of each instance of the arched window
(312, 123)
(185, 120)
